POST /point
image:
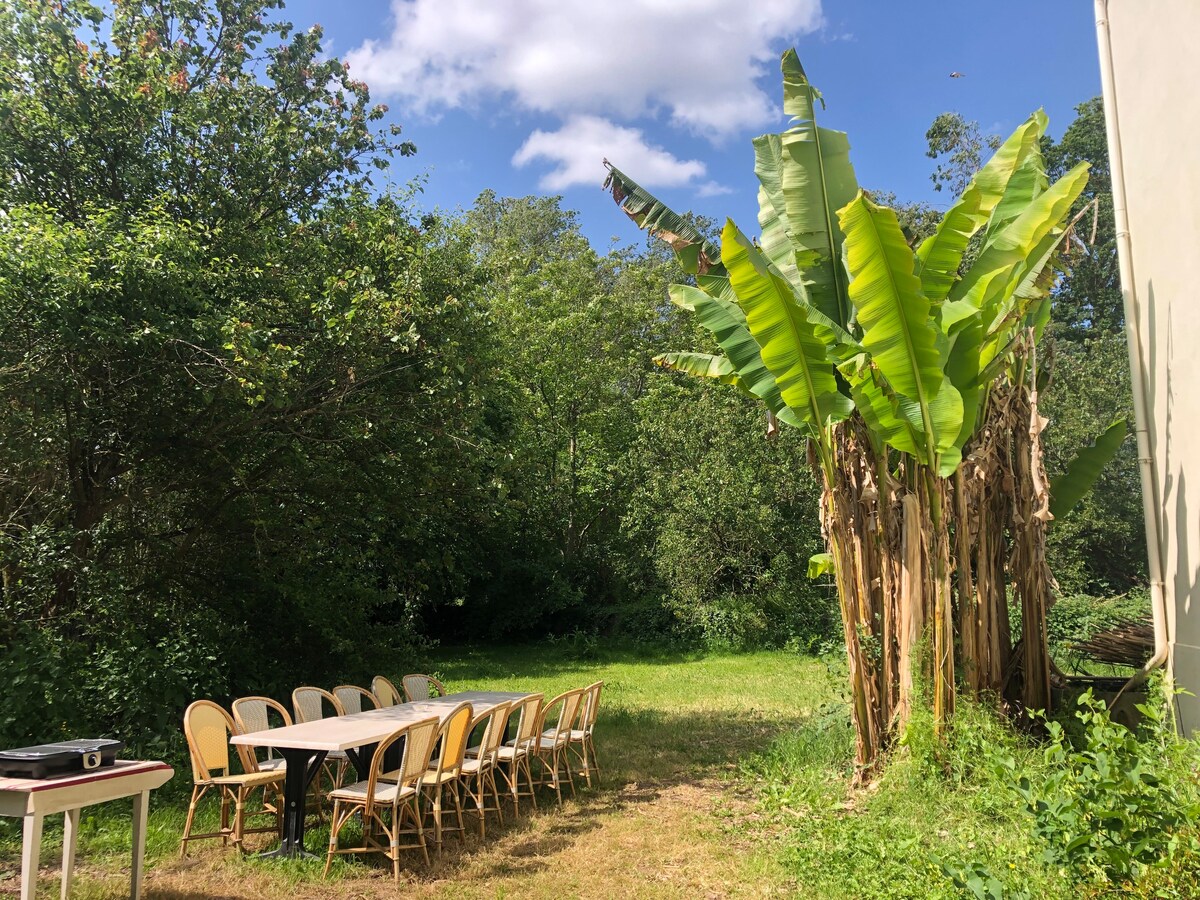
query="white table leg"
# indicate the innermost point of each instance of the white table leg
(31, 849)
(70, 839)
(141, 806)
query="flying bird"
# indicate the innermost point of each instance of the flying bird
(956, 75)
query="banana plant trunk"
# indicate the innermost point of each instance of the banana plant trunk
(924, 566)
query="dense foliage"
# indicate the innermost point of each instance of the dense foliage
(266, 422)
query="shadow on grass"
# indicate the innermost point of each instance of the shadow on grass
(548, 660)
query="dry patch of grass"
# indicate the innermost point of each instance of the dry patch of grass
(668, 820)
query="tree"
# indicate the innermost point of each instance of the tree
(898, 366)
(959, 147)
(234, 377)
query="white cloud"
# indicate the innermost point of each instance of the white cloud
(695, 62)
(577, 149)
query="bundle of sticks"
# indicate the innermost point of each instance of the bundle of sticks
(1127, 644)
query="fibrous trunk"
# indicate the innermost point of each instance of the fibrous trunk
(925, 566)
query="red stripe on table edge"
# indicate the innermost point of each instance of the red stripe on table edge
(46, 785)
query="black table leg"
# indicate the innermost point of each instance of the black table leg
(360, 758)
(302, 767)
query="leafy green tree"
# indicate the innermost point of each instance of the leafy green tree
(959, 146)
(235, 381)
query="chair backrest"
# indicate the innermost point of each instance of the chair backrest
(308, 702)
(527, 725)
(567, 705)
(385, 692)
(590, 706)
(418, 747)
(254, 713)
(416, 687)
(207, 728)
(496, 720)
(354, 699)
(453, 735)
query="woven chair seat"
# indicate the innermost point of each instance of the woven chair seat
(384, 792)
(274, 764)
(433, 776)
(248, 778)
(549, 741)
(470, 766)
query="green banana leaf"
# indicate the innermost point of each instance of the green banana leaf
(820, 564)
(727, 323)
(790, 347)
(816, 179)
(701, 365)
(1069, 488)
(1005, 252)
(776, 239)
(941, 254)
(899, 329)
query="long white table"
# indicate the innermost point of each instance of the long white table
(305, 745)
(33, 799)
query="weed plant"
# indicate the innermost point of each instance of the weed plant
(1088, 809)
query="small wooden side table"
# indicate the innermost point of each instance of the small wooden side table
(33, 799)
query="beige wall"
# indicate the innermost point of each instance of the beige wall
(1157, 90)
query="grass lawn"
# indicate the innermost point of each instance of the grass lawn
(673, 816)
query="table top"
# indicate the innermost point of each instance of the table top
(121, 768)
(372, 725)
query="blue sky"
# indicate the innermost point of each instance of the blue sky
(527, 96)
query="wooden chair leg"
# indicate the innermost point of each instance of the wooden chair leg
(239, 818)
(592, 757)
(529, 778)
(224, 818)
(191, 816)
(334, 827)
(495, 793)
(458, 810)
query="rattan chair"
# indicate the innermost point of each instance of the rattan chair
(207, 728)
(479, 769)
(549, 746)
(416, 687)
(385, 692)
(254, 714)
(396, 791)
(309, 705)
(512, 757)
(354, 699)
(579, 741)
(444, 772)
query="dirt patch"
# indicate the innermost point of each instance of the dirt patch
(682, 838)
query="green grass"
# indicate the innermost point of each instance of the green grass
(723, 774)
(667, 718)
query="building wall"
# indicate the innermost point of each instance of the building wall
(1156, 73)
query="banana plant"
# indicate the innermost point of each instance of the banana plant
(832, 319)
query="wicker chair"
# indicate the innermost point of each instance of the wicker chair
(512, 757)
(207, 728)
(385, 692)
(254, 714)
(354, 699)
(549, 746)
(444, 772)
(417, 687)
(396, 791)
(309, 704)
(479, 769)
(579, 741)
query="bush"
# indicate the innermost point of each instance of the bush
(1116, 805)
